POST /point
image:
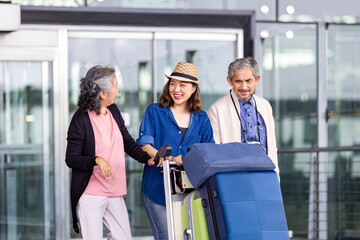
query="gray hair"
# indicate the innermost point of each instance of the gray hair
(242, 63)
(97, 79)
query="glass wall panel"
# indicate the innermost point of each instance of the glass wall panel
(26, 151)
(343, 195)
(289, 79)
(131, 59)
(344, 85)
(325, 10)
(295, 175)
(211, 57)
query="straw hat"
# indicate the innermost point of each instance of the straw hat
(185, 72)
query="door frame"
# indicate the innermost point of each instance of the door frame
(54, 53)
(132, 17)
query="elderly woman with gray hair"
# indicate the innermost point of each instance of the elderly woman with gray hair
(96, 142)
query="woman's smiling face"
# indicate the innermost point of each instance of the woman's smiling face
(180, 91)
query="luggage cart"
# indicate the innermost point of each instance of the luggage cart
(173, 200)
(168, 199)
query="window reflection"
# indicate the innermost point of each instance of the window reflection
(211, 58)
(295, 176)
(289, 82)
(344, 85)
(343, 195)
(26, 151)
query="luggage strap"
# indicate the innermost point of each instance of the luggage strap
(212, 210)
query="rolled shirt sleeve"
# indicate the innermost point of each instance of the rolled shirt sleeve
(147, 128)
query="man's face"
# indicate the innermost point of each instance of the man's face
(243, 83)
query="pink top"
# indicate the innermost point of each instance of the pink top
(108, 145)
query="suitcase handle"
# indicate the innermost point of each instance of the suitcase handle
(203, 202)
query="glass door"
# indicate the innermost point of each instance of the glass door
(343, 101)
(311, 76)
(26, 150)
(287, 56)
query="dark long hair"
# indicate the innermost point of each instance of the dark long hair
(193, 104)
(97, 79)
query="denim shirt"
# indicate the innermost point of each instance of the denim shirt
(159, 127)
(249, 124)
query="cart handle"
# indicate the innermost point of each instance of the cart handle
(164, 152)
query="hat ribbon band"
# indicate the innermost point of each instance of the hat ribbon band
(183, 75)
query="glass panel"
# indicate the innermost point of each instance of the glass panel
(26, 151)
(288, 81)
(211, 57)
(343, 195)
(344, 85)
(320, 10)
(295, 175)
(133, 72)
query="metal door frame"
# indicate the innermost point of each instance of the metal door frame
(57, 57)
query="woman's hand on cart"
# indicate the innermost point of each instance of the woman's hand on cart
(177, 160)
(160, 156)
(173, 160)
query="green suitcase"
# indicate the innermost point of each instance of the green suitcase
(193, 217)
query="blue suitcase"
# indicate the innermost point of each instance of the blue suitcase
(244, 205)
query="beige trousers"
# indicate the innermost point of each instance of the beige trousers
(93, 211)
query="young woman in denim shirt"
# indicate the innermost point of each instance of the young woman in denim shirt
(176, 120)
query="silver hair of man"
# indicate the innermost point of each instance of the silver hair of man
(242, 63)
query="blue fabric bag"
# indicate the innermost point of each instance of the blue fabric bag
(204, 160)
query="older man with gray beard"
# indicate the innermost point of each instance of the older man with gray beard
(240, 115)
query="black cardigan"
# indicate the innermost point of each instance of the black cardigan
(80, 152)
